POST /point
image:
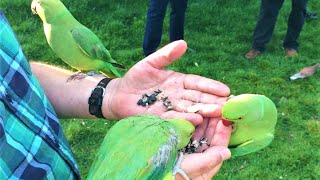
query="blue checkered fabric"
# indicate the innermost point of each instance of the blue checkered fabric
(32, 143)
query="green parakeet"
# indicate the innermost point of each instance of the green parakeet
(74, 43)
(253, 118)
(141, 147)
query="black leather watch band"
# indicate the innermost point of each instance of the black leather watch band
(95, 100)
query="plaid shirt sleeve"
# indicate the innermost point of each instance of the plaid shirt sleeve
(32, 143)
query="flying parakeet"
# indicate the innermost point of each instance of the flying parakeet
(74, 43)
(142, 147)
(253, 118)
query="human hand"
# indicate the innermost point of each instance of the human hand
(206, 164)
(185, 91)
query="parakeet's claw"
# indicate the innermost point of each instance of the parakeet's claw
(34, 7)
(80, 75)
(176, 168)
(77, 76)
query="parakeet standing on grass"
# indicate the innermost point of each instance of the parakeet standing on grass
(74, 43)
(253, 118)
(142, 147)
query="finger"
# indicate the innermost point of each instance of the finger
(210, 174)
(198, 164)
(200, 97)
(199, 132)
(208, 133)
(198, 83)
(168, 54)
(221, 136)
(215, 170)
(194, 118)
(206, 110)
(211, 130)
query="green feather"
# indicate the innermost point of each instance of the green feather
(254, 119)
(74, 43)
(140, 147)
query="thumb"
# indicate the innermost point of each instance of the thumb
(166, 55)
(198, 164)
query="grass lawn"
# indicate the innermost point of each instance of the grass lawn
(220, 32)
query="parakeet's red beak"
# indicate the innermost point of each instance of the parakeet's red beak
(226, 122)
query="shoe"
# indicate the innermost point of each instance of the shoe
(252, 54)
(311, 15)
(290, 52)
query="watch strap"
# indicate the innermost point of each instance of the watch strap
(96, 98)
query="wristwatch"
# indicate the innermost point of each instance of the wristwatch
(95, 100)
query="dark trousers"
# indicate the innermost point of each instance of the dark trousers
(155, 17)
(267, 19)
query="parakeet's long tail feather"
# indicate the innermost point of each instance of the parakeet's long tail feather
(110, 71)
(119, 65)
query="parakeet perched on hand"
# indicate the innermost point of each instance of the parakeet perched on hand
(74, 43)
(142, 147)
(253, 118)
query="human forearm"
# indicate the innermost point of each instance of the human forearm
(69, 99)
(192, 97)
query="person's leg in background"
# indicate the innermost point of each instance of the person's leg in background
(295, 24)
(266, 23)
(154, 25)
(269, 11)
(177, 18)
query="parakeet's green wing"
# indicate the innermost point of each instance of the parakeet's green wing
(162, 166)
(91, 45)
(144, 149)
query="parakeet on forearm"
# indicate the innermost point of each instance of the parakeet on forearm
(253, 118)
(74, 43)
(141, 147)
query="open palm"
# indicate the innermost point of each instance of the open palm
(187, 93)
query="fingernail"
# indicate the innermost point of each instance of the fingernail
(225, 153)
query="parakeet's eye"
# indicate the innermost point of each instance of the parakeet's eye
(241, 117)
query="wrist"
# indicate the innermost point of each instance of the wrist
(107, 102)
(96, 98)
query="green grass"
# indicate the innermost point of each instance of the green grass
(220, 31)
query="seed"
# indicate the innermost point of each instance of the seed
(152, 97)
(140, 102)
